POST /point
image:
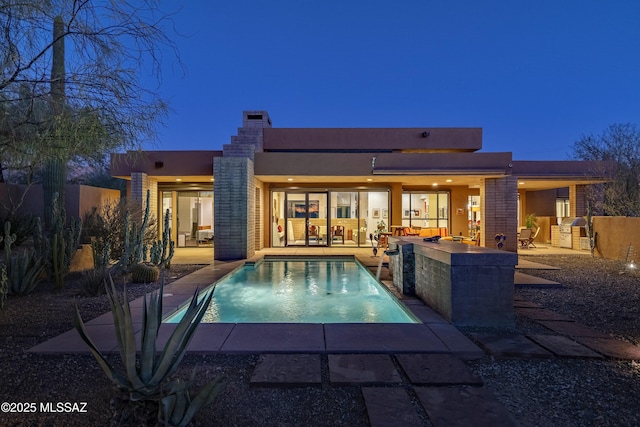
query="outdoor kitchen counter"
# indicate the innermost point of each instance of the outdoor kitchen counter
(468, 285)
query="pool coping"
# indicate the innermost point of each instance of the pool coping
(433, 335)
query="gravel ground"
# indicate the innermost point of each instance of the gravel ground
(563, 392)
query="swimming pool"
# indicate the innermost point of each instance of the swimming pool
(303, 291)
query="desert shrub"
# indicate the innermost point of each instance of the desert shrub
(92, 282)
(22, 225)
(106, 226)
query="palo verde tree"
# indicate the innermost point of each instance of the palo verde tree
(619, 143)
(74, 80)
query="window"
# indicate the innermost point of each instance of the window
(425, 209)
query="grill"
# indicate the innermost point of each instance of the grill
(566, 240)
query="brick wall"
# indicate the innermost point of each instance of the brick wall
(140, 184)
(499, 210)
(577, 200)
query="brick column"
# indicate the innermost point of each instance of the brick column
(140, 184)
(234, 207)
(499, 209)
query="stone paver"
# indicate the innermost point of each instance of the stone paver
(531, 265)
(542, 314)
(437, 369)
(103, 337)
(611, 347)
(390, 407)
(573, 329)
(275, 338)
(463, 406)
(522, 279)
(457, 342)
(359, 369)
(381, 338)
(525, 304)
(511, 345)
(288, 370)
(564, 347)
(424, 313)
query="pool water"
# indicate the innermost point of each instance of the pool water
(303, 291)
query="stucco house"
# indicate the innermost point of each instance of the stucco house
(325, 187)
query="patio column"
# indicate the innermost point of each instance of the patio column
(577, 200)
(234, 208)
(140, 184)
(499, 211)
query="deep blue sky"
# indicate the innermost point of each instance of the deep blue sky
(534, 75)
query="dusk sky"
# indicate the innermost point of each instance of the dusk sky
(534, 75)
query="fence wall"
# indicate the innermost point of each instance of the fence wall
(615, 235)
(79, 199)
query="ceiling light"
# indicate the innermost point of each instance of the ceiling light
(369, 179)
(521, 183)
(449, 180)
(435, 184)
(178, 179)
(289, 179)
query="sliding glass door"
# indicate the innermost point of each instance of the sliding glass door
(195, 218)
(327, 218)
(305, 216)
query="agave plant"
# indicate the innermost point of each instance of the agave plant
(177, 408)
(146, 377)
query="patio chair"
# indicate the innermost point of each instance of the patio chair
(525, 238)
(532, 238)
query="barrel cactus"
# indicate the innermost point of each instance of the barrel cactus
(144, 273)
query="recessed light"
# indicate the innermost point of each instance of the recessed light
(369, 179)
(449, 180)
(289, 179)
(211, 179)
(435, 184)
(178, 179)
(521, 183)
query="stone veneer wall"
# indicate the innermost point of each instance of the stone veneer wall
(467, 285)
(237, 212)
(402, 268)
(234, 208)
(499, 211)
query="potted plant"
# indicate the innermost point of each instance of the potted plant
(530, 221)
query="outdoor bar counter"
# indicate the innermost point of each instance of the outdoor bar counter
(468, 285)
